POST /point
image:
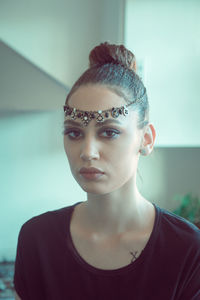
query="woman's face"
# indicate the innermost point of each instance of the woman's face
(112, 147)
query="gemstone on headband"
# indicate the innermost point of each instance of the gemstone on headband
(99, 116)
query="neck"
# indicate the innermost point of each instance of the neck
(116, 212)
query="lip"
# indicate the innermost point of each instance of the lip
(91, 173)
(91, 170)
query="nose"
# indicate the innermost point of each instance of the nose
(89, 150)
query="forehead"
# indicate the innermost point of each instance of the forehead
(95, 97)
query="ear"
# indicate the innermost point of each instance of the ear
(148, 140)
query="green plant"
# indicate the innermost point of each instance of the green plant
(189, 207)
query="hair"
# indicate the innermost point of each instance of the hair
(114, 67)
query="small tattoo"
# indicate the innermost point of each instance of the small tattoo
(134, 255)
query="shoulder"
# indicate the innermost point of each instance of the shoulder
(177, 222)
(47, 222)
(180, 230)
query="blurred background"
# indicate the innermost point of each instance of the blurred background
(44, 47)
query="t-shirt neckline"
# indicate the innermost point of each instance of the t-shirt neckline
(120, 271)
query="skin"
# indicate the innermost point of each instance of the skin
(114, 204)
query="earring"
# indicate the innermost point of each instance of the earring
(143, 151)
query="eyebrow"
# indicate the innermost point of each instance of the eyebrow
(98, 124)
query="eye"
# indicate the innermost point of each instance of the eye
(110, 133)
(73, 134)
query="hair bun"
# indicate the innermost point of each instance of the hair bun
(117, 54)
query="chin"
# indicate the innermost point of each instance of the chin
(93, 190)
(98, 190)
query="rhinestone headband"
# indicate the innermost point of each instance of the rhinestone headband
(99, 116)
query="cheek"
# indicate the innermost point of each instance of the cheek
(125, 157)
(128, 147)
(122, 159)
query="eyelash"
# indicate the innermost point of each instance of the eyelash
(110, 130)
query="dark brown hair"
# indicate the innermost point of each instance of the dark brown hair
(114, 66)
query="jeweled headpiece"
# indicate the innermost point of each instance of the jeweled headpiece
(99, 116)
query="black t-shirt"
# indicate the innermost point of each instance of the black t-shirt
(49, 267)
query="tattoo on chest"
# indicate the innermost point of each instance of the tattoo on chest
(134, 255)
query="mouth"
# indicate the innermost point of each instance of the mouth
(91, 173)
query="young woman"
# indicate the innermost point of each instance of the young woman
(117, 244)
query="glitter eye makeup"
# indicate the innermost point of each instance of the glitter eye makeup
(110, 133)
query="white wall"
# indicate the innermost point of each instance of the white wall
(169, 172)
(57, 35)
(164, 35)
